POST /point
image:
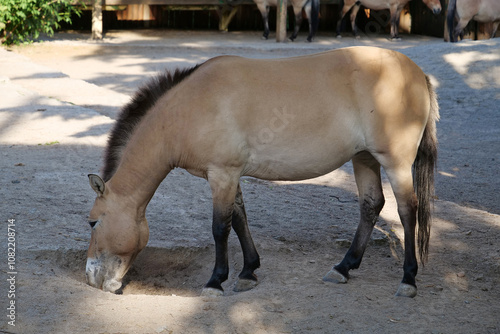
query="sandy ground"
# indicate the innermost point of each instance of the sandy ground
(57, 103)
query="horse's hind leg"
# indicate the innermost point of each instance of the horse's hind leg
(371, 199)
(247, 279)
(401, 180)
(298, 22)
(462, 23)
(345, 9)
(354, 14)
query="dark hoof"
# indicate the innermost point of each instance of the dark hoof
(245, 285)
(406, 290)
(211, 292)
(335, 277)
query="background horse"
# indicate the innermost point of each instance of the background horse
(311, 8)
(225, 119)
(395, 7)
(465, 10)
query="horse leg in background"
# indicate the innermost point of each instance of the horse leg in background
(312, 13)
(371, 199)
(345, 8)
(354, 14)
(247, 279)
(264, 11)
(224, 188)
(462, 23)
(495, 28)
(395, 17)
(297, 11)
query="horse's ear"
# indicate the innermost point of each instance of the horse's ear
(97, 184)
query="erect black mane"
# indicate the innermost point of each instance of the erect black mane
(143, 100)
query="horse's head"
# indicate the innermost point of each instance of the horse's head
(434, 5)
(119, 233)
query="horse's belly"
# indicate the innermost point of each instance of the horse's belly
(298, 162)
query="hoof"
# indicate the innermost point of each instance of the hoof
(357, 37)
(406, 290)
(335, 277)
(244, 285)
(339, 36)
(395, 39)
(211, 292)
(264, 38)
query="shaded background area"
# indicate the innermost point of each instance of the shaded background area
(416, 18)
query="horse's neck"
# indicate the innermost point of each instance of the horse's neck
(143, 166)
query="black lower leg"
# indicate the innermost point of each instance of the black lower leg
(408, 219)
(221, 227)
(251, 260)
(370, 209)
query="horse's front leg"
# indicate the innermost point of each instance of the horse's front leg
(223, 195)
(221, 226)
(251, 261)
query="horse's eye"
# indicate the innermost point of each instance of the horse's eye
(92, 223)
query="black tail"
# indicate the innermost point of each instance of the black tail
(450, 19)
(424, 166)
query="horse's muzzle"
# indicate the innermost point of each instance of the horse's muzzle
(96, 276)
(436, 10)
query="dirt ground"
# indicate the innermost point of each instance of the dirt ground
(58, 99)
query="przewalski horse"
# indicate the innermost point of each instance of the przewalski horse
(395, 7)
(484, 11)
(311, 8)
(225, 119)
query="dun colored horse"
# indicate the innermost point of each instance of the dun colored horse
(226, 118)
(465, 10)
(311, 8)
(395, 7)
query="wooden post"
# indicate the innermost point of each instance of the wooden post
(97, 19)
(281, 21)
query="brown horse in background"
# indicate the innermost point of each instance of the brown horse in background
(395, 7)
(484, 11)
(311, 8)
(226, 118)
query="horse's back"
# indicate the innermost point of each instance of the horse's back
(301, 117)
(481, 11)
